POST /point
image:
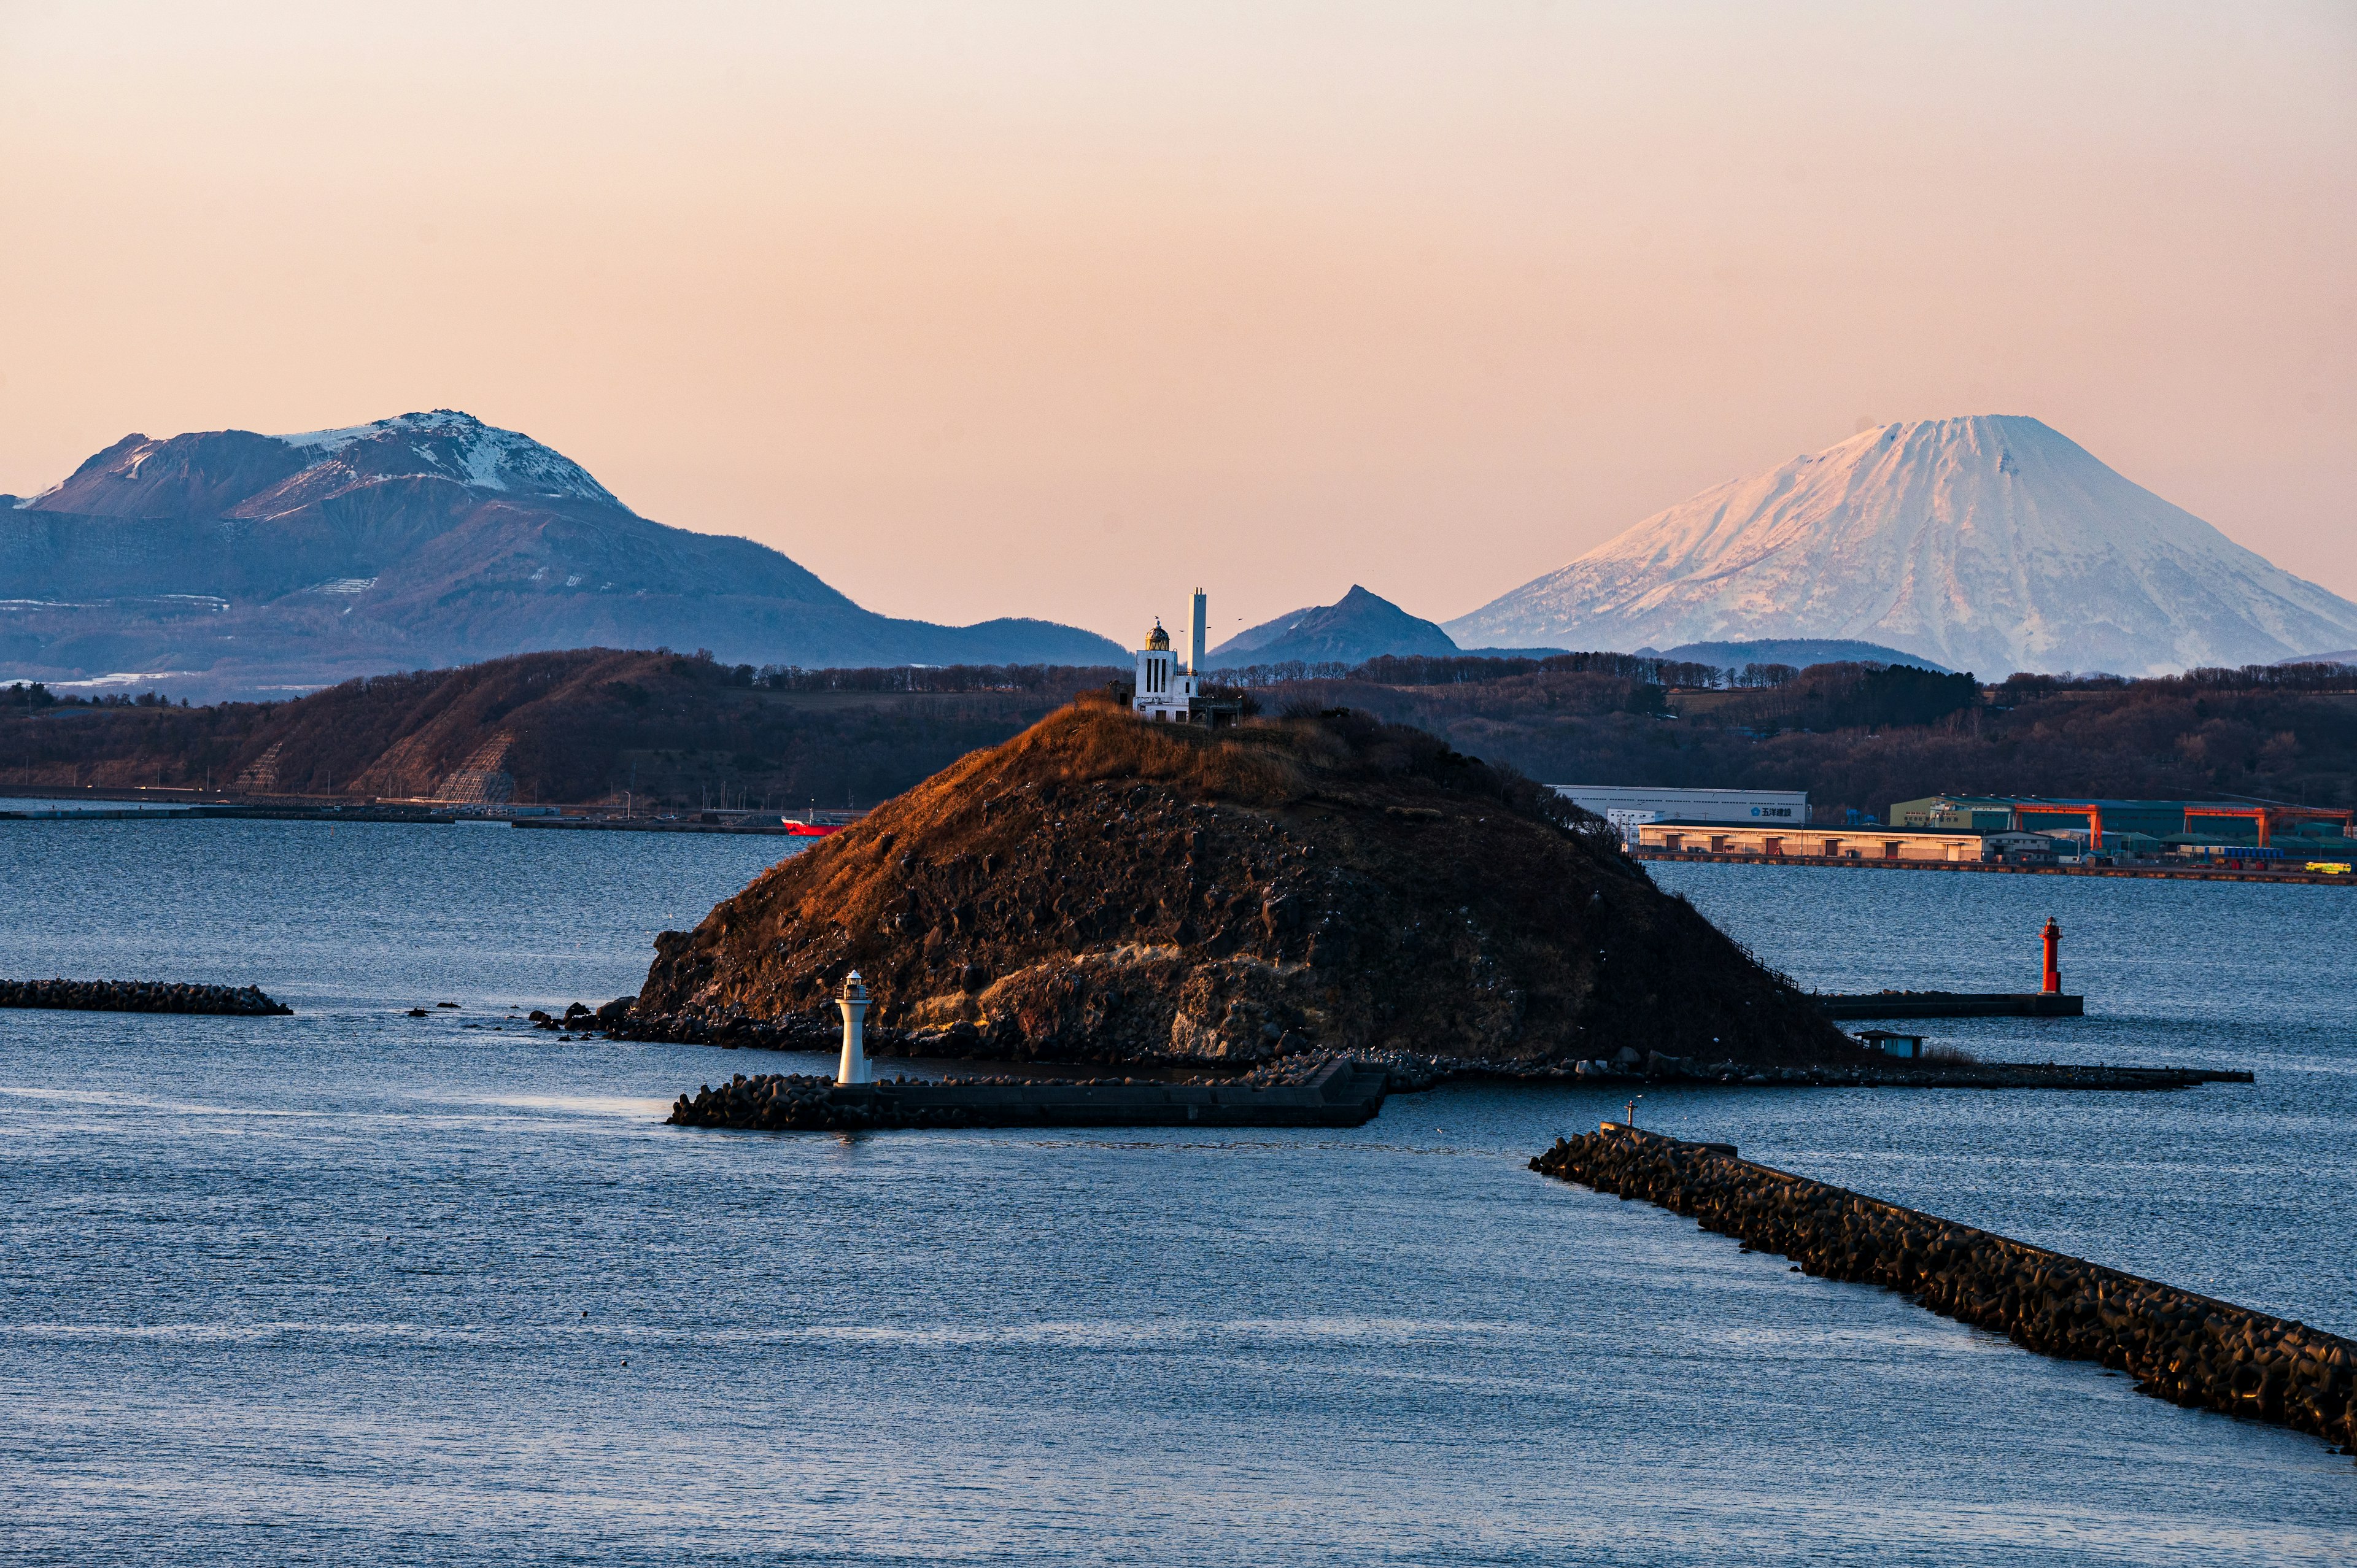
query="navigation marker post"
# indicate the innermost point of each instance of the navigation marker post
(853, 1002)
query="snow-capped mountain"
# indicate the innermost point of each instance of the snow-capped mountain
(244, 475)
(1990, 544)
(451, 445)
(264, 562)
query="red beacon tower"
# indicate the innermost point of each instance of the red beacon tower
(2052, 985)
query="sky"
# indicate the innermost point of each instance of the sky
(1063, 309)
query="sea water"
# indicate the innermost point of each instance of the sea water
(354, 1286)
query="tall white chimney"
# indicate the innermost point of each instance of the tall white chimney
(1195, 650)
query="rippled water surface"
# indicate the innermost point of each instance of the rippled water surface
(355, 1286)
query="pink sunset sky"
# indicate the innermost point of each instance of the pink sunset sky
(1059, 309)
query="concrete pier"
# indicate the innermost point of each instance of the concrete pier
(1954, 1004)
(1339, 1094)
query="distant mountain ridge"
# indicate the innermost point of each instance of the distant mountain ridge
(423, 539)
(1799, 651)
(1991, 544)
(1358, 627)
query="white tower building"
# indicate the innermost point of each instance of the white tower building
(1170, 692)
(853, 1069)
(1166, 693)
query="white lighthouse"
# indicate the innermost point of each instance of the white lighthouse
(1167, 691)
(853, 1002)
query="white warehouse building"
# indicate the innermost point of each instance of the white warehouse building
(1629, 807)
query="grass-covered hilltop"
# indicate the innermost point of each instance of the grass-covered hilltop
(1101, 888)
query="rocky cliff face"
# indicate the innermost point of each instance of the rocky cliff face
(1098, 888)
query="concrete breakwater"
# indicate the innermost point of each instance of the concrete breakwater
(140, 996)
(1338, 1093)
(2189, 1349)
(1951, 1004)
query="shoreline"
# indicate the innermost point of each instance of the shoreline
(2149, 873)
(1412, 1072)
(417, 816)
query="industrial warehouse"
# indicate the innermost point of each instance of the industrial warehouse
(1983, 830)
(2233, 829)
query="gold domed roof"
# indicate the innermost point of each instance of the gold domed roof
(1157, 640)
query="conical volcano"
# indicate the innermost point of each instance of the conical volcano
(1992, 543)
(1102, 888)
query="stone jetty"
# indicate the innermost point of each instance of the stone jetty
(2189, 1349)
(1951, 1004)
(1338, 1092)
(141, 997)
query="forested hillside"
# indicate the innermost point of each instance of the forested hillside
(586, 726)
(1858, 736)
(675, 730)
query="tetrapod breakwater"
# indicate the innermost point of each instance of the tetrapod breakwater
(2189, 1349)
(141, 997)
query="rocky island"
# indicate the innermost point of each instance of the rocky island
(1100, 889)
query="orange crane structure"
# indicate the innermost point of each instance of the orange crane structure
(2089, 809)
(2268, 816)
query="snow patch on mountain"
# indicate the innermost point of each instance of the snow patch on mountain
(1990, 544)
(454, 446)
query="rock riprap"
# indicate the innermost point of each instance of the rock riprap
(141, 997)
(2186, 1348)
(1101, 889)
